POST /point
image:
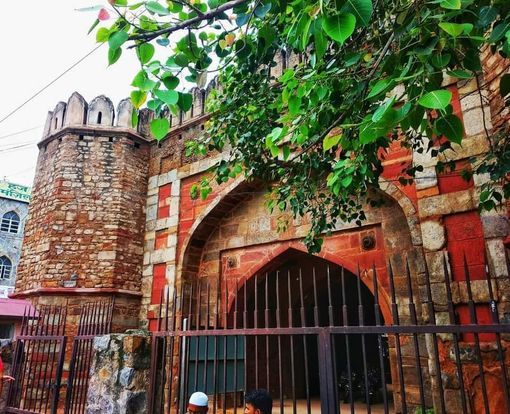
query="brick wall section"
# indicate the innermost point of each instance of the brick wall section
(87, 215)
(494, 67)
(85, 231)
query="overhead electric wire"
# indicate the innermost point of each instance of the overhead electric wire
(12, 134)
(50, 83)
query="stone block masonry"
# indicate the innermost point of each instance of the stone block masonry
(84, 236)
(119, 375)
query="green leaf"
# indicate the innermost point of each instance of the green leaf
(460, 74)
(138, 98)
(321, 43)
(369, 131)
(504, 85)
(453, 29)
(438, 99)
(261, 10)
(102, 35)
(168, 97)
(96, 22)
(440, 61)
(330, 141)
(145, 52)
(134, 118)
(498, 32)
(451, 4)
(159, 128)
(379, 87)
(185, 101)
(113, 55)
(361, 9)
(486, 16)
(170, 81)
(155, 7)
(451, 127)
(181, 60)
(117, 39)
(383, 110)
(339, 27)
(294, 105)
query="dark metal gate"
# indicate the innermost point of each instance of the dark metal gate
(40, 350)
(95, 320)
(323, 339)
(38, 361)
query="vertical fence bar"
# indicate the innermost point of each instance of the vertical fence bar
(396, 321)
(345, 319)
(361, 322)
(291, 325)
(279, 339)
(432, 321)
(414, 321)
(236, 288)
(256, 325)
(305, 348)
(474, 321)
(377, 313)
(493, 308)
(456, 347)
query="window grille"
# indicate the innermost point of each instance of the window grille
(5, 267)
(10, 222)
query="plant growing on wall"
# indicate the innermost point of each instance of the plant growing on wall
(370, 76)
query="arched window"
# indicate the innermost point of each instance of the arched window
(5, 268)
(10, 222)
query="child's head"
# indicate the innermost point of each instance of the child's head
(258, 402)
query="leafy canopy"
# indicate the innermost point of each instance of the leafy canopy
(370, 72)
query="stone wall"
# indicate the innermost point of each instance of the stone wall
(119, 375)
(85, 231)
(10, 243)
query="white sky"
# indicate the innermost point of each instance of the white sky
(38, 44)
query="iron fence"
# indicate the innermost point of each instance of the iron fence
(38, 361)
(324, 339)
(95, 320)
(39, 356)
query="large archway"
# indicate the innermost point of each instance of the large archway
(297, 289)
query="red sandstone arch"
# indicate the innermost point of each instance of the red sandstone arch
(280, 252)
(227, 199)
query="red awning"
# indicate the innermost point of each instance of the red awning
(14, 308)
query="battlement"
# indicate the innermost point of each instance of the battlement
(100, 112)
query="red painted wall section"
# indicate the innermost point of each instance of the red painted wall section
(451, 180)
(465, 238)
(161, 239)
(164, 201)
(158, 282)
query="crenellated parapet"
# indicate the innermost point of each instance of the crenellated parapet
(95, 118)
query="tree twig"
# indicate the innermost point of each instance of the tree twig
(186, 23)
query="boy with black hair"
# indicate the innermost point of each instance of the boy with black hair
(258, 402)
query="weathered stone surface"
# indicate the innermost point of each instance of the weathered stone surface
(76, 110)
(497, 258)
(119, 374)
(494, 225)
(426, 178)
(446, 203)
(433, 235)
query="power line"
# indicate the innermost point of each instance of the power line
(14, 144)
(16, 148)
(20, 132)
(49, 84)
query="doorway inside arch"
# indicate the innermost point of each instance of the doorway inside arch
(300, 290)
